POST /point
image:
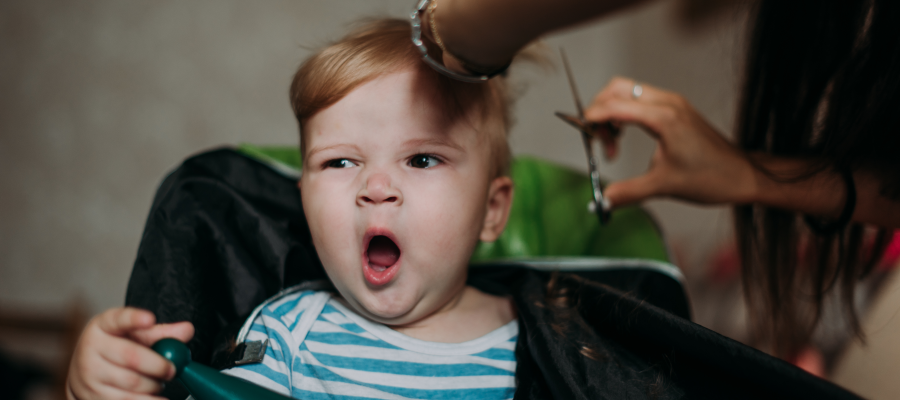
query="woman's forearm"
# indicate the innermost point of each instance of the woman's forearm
(491, 32)
(823, 195)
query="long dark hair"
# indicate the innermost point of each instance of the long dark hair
(823, 83)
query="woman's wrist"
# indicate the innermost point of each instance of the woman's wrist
(486, 35)
(491, 33)
(785, 183)
(443, 25)
(760, 183)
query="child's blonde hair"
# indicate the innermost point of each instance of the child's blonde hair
(381, 47)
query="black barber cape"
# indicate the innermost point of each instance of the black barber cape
(226, 232)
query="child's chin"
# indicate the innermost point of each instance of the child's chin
(389, 311)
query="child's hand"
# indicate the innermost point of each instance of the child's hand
(113, 359)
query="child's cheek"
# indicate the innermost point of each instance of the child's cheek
(328, 206)
(447, 208)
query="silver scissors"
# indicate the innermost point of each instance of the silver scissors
(590, 131)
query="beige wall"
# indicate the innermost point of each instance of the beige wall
(99, 99)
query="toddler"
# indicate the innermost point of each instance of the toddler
(404, 172)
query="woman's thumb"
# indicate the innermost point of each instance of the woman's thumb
(630, 191)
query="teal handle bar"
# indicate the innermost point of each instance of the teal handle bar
(205, 383)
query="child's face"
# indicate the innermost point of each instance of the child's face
(397, 198)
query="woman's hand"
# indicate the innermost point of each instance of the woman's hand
(113, 359)
(692, 161)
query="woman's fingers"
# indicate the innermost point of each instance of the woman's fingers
(618, 87)
(692, 161)
(624, 88)
(616, 105)
(182, 331)
(654, 117)
(141, 359)
(630, 191)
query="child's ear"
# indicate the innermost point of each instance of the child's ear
(499, 202)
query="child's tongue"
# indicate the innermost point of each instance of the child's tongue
(382, 252)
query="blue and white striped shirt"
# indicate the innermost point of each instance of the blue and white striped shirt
(319, 349)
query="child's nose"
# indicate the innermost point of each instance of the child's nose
(379, 190)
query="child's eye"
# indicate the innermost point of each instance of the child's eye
(423, 161)
(340, 163)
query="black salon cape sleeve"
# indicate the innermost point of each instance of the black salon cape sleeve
(225, 232)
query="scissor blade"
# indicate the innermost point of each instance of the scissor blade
(576, 122)
(571, 78)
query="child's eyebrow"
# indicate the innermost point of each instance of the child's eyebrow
(433, 142)
(315, 150)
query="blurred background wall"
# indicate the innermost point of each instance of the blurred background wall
(100, 99)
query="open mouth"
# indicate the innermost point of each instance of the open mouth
(382, 255)
(382, 252)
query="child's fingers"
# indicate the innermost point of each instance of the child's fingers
(141, 359)
(128, 381)
(119, 321)
(108, 392)
(182, 331)
(94, 377)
